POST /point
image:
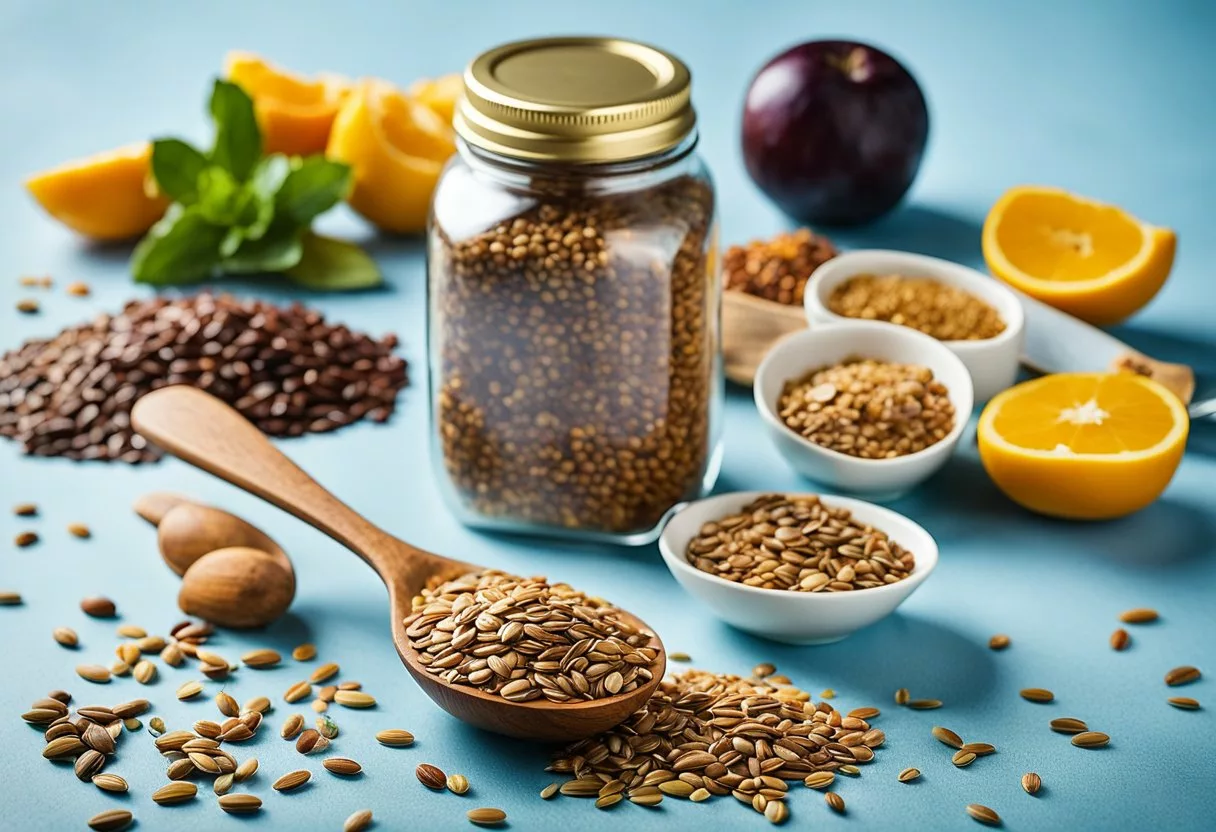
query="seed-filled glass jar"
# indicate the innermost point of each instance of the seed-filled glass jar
(573, 290)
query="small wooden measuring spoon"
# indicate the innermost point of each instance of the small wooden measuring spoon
(202, 430)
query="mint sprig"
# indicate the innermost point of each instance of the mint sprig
(237, 211)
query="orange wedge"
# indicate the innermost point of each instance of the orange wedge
(294, 113)
(1086, 446)
(440, 94)
(102, 196)
(1089, 259)
(396, 148)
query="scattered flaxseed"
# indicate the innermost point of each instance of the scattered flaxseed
(245, 770)
(983, 814)
(776, 812)
(358, 821)
(227, 705)
(262, 658)
(395, 738)
(1120, 639)
(189, 690)
(679, 657)
(458, 784)
(963, 759)
(93, 673)
(1090, 739)
(1186, 703)
(9, 598)
(924, 704)
(776, 269)
(1036, 694)
(354, 699)
(156, 726)
(979, 749)
(1183, 675)
(549, 791)
(827, 693)
(1031, 782)
(901, 696)
(292, 780)
(25, 510)
(179, 791)
(819, 779)
(79, 530)
(486, 816)
(324, 673)
(908, 775)
(24, 539)
(144, 672)
(945, 735)
(346, 767)
(261, 704)
(835, 802)
(27, 306)
(66, 636)
(298, 691)
(240, 803)
(1068, 725)
(98, 607)
(999, 642)
(431, 776)
(1140, 615)
(78, 289)
(111, 820)
(304, 652)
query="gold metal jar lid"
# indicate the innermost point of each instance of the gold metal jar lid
(578, 100)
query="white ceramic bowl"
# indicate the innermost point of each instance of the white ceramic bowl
(992, 362)
(811, 349)
(794, 617)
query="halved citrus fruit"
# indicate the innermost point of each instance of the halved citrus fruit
(294, 113)
(1086, 446)
(1089, 259)
(440, 94)
(397, 148)
(102, 196)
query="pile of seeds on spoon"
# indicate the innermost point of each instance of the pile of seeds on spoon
(524, 638)
(799, 544)
(704, 734)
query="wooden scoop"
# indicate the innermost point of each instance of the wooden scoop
(207, 433)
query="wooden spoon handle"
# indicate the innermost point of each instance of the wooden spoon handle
(202, 430)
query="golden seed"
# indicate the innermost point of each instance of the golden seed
(298, 691)
(292, 780)
(608, 800)
(240, 803)
(1090, 739)
(151, 644)
(93, 673)
(835, 801)
(983, 814)
(850, 769)
(189, 690)
(77, 289)
(1036, 694)
(262, 658)
(9, 598)
(1119, 639)
(98, 607)
(763, 669)
(1140, 615)
(156, 726)
(172, 655)
(348, 768)
(676, 788)
(132, 724)
(261, 704)
(120, 668)
(319, 705)
(326, 694)
(111, 820)
(79, 530)
(819, 779)
(207, 729)
(679, 657)
(65, 636)
(61, 747)
(144, 672)
(1068, 725)
(1182, 675)
(699, 795)
(351, 685)
(25, 509)
(1186, 703)
(945, 735)
(245, 770)
(1031, 782)
(901, 696)
(979, 749)
(549, 791)
(431, 776)
(208, 657)
(354, 699)
(908, 775)
(864, 713)
(358, 822)
(227, 704)
(999, 642)
(828, 693)
(304, 653)
(223, 784)
(292, 726)
(458, 783)
(179, 791)
(323, 673)
(776, 812)
(652, 799)
(24, 539)
(486, 816)
(962, 759)
(131, 631)
(127, 652)
(924, 704)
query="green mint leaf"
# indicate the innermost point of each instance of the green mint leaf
(238, 142)
(279, 249)
(176, 166)
(264, 185)
(334, 265)
(313, 186)
(181, 248)
(220, 197)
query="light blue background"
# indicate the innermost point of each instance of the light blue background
(1112, 99)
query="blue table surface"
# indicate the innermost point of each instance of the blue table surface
(1110, 99)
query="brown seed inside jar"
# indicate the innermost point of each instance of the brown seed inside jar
(576, 356)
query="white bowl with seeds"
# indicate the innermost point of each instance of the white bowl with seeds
(799, 357)
(991, 361)
(812, 611)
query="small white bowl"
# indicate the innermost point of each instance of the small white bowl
(878, 479)
(992, 362)
(782, 615)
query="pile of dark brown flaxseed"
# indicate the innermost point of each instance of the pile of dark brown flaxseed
(576, 358)
(285, 368)
(776, 269)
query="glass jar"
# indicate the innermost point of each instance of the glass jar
(573, 294)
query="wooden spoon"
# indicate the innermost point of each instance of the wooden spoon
(209, 434)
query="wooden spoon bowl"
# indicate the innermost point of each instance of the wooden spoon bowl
(205, 432)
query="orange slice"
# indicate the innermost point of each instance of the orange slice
(1087, 258)
(102, 196)
(1086, 446)
(396, 148)
(294, 113)
(440, 94)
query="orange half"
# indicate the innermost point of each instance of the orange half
(102, 196)
(1084, 445)
(1090, 259)
(294, 113)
